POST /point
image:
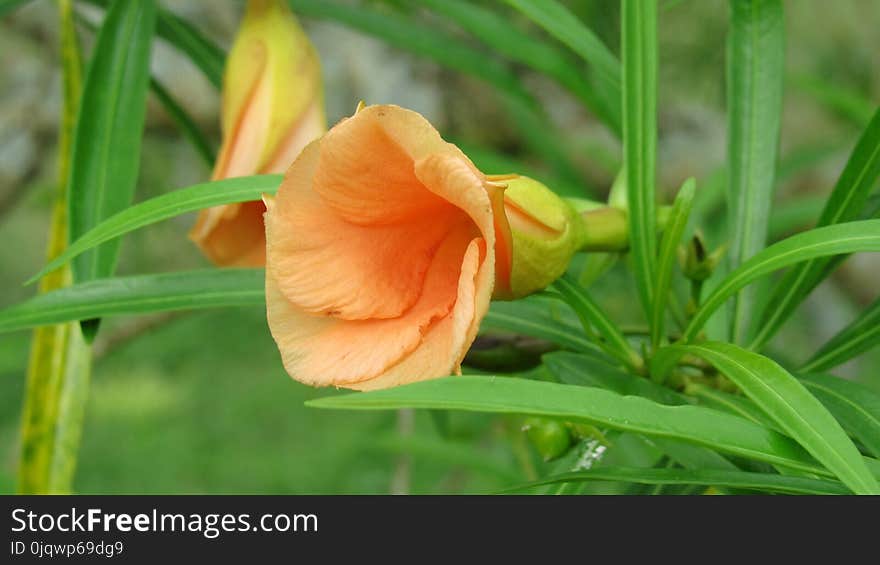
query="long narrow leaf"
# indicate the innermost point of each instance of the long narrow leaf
(787, 402)
(734, 404)
(139, 294)
(755, 72)
(856, 338)
(186, 124)
(855, 406)
(106, 149)
(764, 482)
(693, 424)
(179, 115)
(533, 317)
(495, 30)
(584, 370)
(820, 242)
(592, 316)
(639, 39)
(201, 51)
(165, 206)
(846, 203)
(675, 227)
(559, 22)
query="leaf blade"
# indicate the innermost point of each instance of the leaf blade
(706, 477)
(106, 148)
(639, 45)
(165, 206)
(846, 202)
(856, 407)
(755, 65)
(859, 336)
(209, 288)
(591, 315)
(675, 227)
(697, 425)
(787, 402)
(559, 22)
(850, 237)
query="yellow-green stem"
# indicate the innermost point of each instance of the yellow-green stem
(60, 361)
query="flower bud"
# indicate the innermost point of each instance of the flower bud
(272, 108)
(543, 232)
(696, 263)
(551, 438)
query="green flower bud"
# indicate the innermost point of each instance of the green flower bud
(544, 233)
(551, 438)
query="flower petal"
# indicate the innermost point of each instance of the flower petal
(326, 265)
(323, 350)
(366, 171)
(232, 235)
(445, 344)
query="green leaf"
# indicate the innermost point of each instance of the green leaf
(639, 41)
(789, 216)
(856, 407)
(559, 22)
(185, 290)
(534, 317)
(591, 316)
(405, 33)
(701, 426)
(764, 482)
(177, 114)
(847, 201)
(495, 30)
(675, 227)
(787, 402)
(755, 71)
(731, 403)
(186, 124)
(106, 148)
(584, 370)
(820, 242)
(856, 338)
(165, 206)
(207, 57)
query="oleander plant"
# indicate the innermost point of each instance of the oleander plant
(510, 312)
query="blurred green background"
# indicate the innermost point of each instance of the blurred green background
(198, 402)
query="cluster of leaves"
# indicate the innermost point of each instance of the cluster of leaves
(703, 408)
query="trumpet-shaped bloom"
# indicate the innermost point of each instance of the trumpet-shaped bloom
(272, 108)
(380, 254)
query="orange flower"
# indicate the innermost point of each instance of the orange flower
(380, 255)
(272, 108)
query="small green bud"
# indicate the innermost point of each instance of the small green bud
(551, 438)
(696, 263)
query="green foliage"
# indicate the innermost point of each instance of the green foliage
(614, 399)
(755, 71)
(762, 482)
(138, 295)
(847, 202)
(787, 402)
(106, 148)
(640, 138)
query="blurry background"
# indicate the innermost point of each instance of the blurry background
(198, 402)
